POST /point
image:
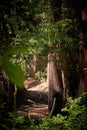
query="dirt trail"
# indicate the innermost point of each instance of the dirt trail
(35, 99)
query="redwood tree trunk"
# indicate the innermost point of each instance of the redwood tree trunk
(6, 92)
(55, 85)
(83, 52)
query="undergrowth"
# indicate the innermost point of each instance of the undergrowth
(72, 117)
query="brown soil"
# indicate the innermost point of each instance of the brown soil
(33, 100)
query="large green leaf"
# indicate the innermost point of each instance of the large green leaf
(14, 72)
(15, 49)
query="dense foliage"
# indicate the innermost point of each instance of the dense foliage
(27, 29)
(19, 35)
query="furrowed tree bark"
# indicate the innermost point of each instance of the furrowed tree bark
(6, 92)
(55, 85)
(83, 51)
(55, 98)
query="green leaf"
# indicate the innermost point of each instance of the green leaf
(14, 72)
(17, 50)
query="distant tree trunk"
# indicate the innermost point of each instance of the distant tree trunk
(33, 66)
(83, 52)
(56, 9)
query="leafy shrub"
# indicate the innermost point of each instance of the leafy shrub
(77, 118)
(74, 119)
(11, 121)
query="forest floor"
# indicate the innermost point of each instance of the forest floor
(33, 100)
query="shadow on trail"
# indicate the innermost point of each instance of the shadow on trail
(29, 97)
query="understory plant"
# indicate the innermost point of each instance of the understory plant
(72, 117)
